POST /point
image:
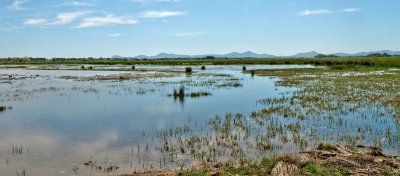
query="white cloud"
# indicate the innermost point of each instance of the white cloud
(349, 10)
(17, 5)
(148, 1)
(106, 20)
(187, 34)
(168, 0)
(65, 18)
(78, 3)
(161, 14)
(114, 35)
(35, 21)
(327, 11)
(315, 12)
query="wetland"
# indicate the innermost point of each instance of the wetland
(76, 119)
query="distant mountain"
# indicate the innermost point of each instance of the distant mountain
(247, 54)
(367, 53)
(167, 55)
(306, 54)
(250, 54)
(117, 57)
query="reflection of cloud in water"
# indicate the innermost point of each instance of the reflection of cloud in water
(46, 158)
(97, 147)
(43, 150)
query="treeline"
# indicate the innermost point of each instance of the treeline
(369, 55)
(319, 56)
(23, 59)
(391, 61)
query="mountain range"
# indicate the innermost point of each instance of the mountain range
(250, 54)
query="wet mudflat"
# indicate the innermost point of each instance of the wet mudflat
(65, 120)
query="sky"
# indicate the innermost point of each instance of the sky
(103, 28)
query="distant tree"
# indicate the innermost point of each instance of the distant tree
(210, 57)
(325, 56)
(379, 55)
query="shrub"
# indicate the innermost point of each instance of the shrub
(188, 69)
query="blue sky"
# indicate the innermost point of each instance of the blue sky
(102, 28)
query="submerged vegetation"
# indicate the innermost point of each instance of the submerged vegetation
(334, 90)
(326, 105)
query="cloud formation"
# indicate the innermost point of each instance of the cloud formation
(17, 5)
(114, 34)
(106, 20)
(161, 14)
(78, 4)
(35, 21)
(315, 12)
(187, 34)
(66, 18)
(327, 11)
(349, 10)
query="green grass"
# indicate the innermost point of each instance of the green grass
(194, 173)
(318, 170)
(265, 168)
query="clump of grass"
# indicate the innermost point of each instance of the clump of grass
(353, 148)
(188, 70)
(200, 94)
(133, 67)
(203, 67)
(17, 150)
(318, 170)
(83, 67)
(288, 159)
(23, 173)
(233, 84)
(326, 146)
(181, 93)
(90, 68)
(244, 68)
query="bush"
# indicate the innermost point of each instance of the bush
(188, 69)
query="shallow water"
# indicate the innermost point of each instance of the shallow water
(62, 123)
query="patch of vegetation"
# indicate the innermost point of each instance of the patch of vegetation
(373, 60)
(318, 170)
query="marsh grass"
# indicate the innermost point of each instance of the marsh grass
(180, 94)
(294, 121)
